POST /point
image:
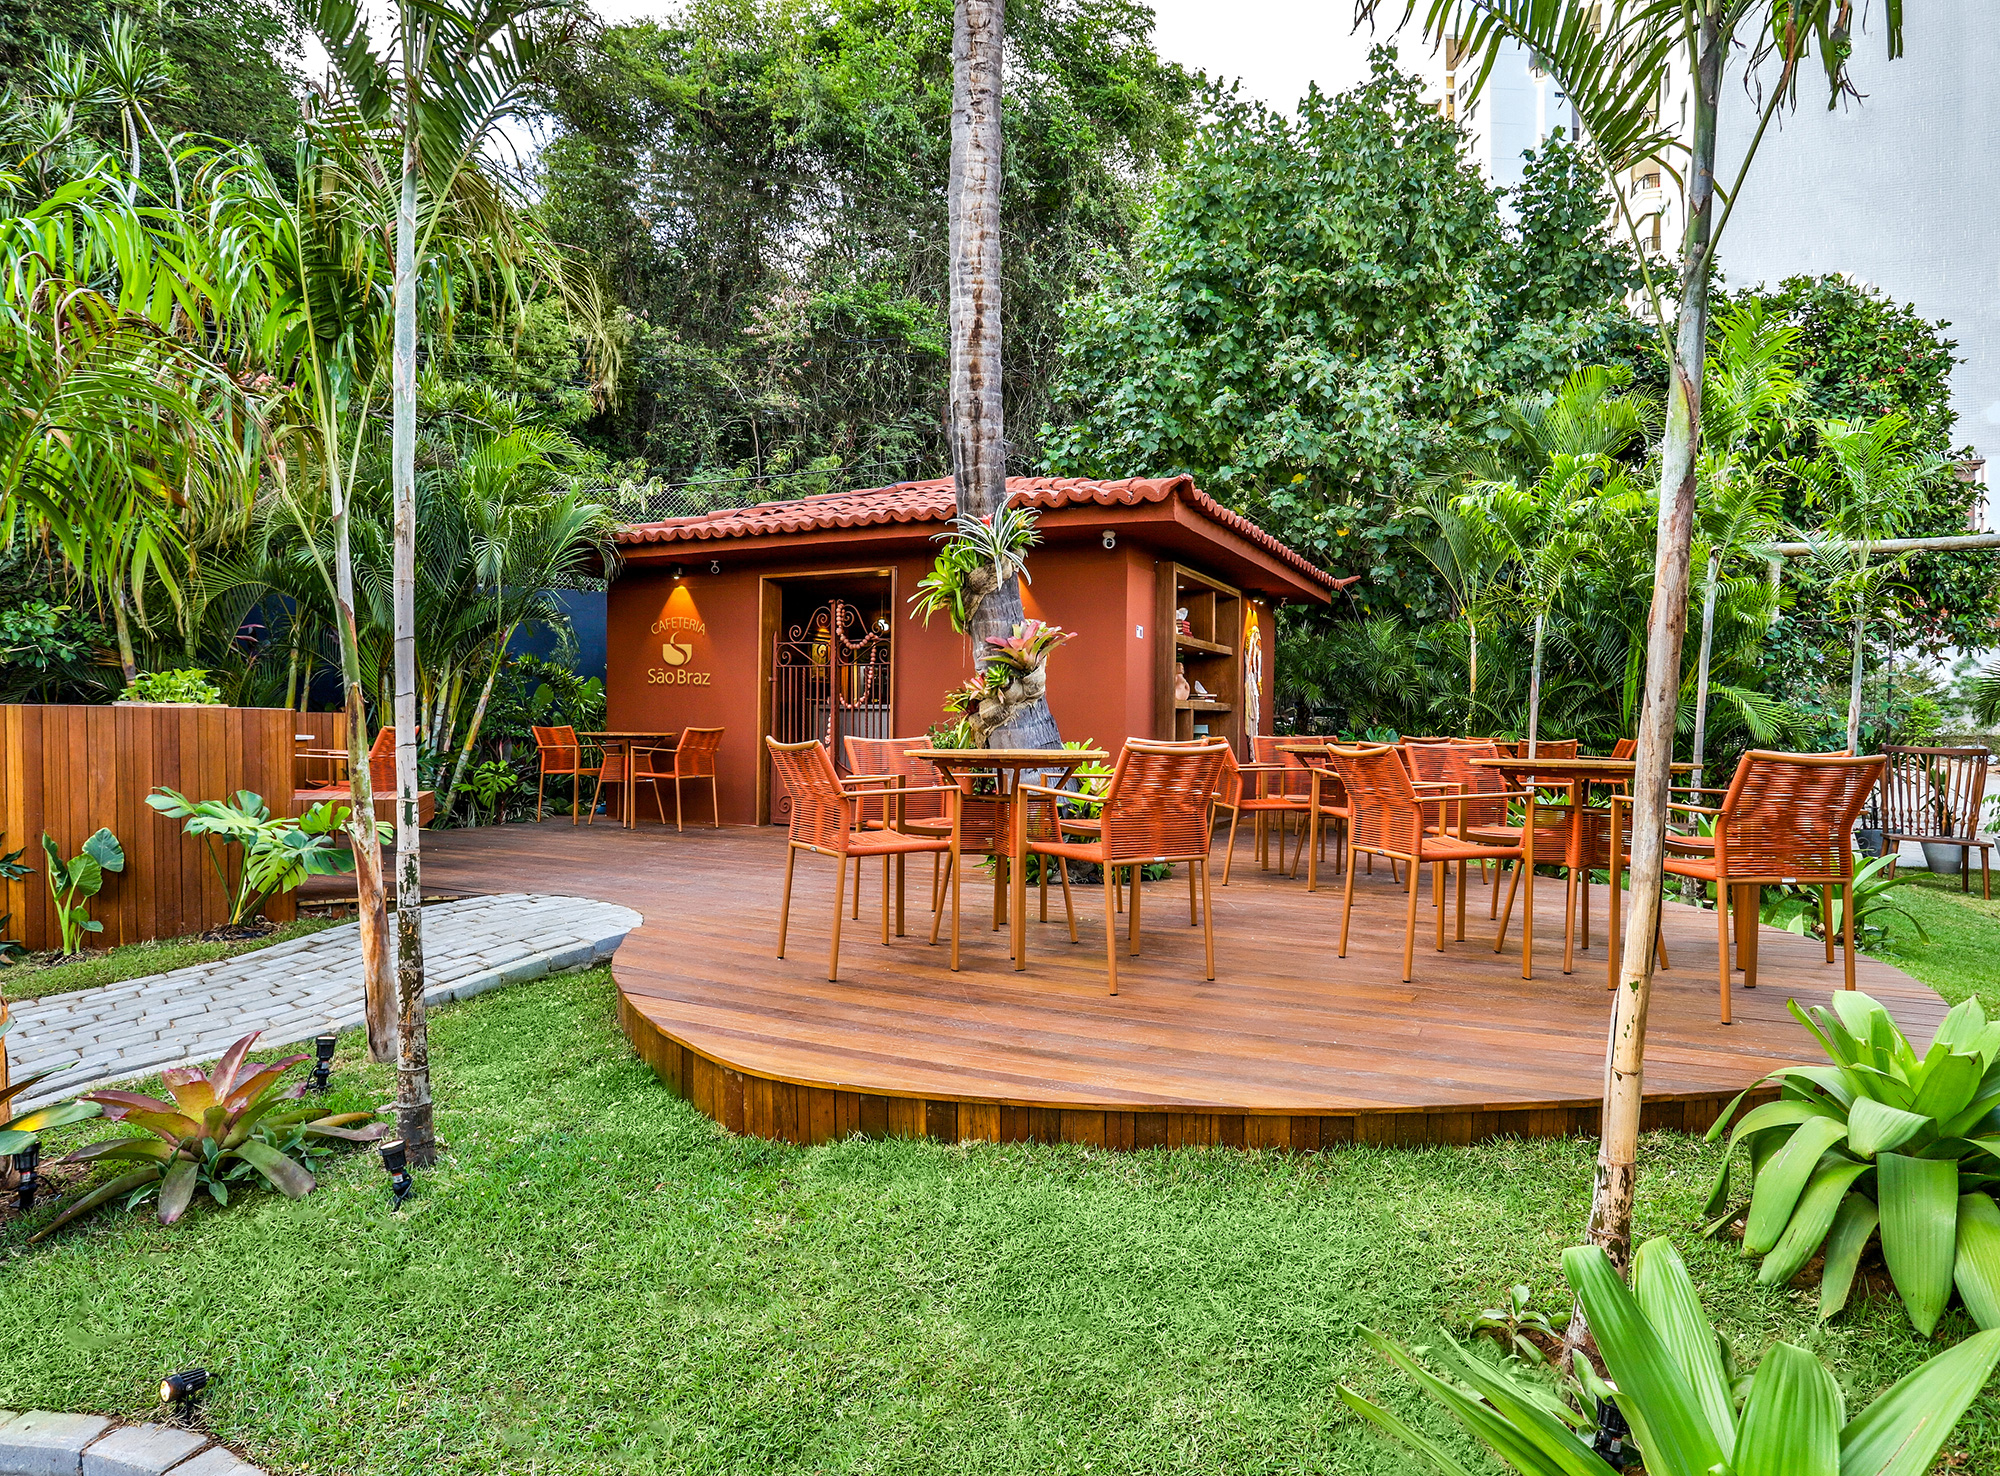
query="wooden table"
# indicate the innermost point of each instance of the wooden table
(627, 742)
(1007, 765)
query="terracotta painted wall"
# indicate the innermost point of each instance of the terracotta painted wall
(691, 652)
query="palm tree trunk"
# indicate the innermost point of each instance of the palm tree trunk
(1701, 667)
(413, 1067)
(1854, 683)
(978, 426)
(1618, 1150)
(1535, 689)
(127, 662)
(479, 714)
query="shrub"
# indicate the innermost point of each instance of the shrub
(74, 882)
(174, 686)
(278, 853)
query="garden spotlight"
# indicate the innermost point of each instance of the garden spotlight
(1614, 1436)
(28, 1180)
(396, 1162)
(181, 1388)
(323, 1060)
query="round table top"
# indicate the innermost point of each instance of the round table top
(1013, 758)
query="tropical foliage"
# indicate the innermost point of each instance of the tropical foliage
(1689, 1409)
(222, 1125)
(74, 882)
(278, 852)
(1885, 1140)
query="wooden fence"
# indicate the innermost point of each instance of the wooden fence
(68, 770)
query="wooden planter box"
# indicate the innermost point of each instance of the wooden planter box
(67, 770)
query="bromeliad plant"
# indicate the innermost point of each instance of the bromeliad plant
(222, 1126)
(74, 882)
(278, 853)
(1881, 1139)
(1012, 675)
(975, 557)
(1673, 1381)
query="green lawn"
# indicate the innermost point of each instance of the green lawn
(599, 1279)
(1963, 957)
(35, 976)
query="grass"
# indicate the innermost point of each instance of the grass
(599, 1279)
(36, 976)
(1962, 960)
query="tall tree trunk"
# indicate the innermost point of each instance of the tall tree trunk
(413, 1063)
(1701, 668)
(1854, 683)
(127, 661)
(371, 905)
(1535, 690)
(978, 425)
(1618, 1150)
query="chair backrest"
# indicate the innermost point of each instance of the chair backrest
(694, 754)
(1548, 748)
(822, 815)
(892, 756)
(1792, 815)
(1382, 809)
(558, 748)
(1934, 791)
(1624, 748)
(382, 761)
(1264, 749)
(1159, 800)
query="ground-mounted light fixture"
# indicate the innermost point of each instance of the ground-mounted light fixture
(322, 1059)
(27, 1180)
(396, 1163)
(180, 1389)
(1614, 1437)
(1110, 539)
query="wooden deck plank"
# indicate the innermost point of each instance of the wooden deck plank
(1289, 1047)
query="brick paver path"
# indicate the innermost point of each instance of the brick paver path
(292, 991)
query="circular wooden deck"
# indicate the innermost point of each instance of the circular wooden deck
(1290, 1046)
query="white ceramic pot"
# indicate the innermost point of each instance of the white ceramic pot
(1944, 860)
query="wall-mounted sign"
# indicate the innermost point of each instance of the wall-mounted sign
(677, 651)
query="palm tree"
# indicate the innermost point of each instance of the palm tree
(455, 73)
(1612, 59)
(1865, 478)
(977, 420)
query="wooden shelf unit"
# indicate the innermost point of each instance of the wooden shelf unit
(1208, 652)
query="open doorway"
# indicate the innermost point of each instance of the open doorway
(829, 665)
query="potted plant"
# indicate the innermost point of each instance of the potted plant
(1945, 860)
(188, 687)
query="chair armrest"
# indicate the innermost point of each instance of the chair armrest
(897, 793)
(1261, 767)
(1694, 809)
(887, 779)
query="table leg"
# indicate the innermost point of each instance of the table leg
(1018, 843)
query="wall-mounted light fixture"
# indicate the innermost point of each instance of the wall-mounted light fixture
(677, 571)
(396, 1163)
(1110, 539)
(322, 1059)
(27, 1180)
(715, 566)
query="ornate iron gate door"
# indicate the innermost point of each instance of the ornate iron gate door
(830, 680)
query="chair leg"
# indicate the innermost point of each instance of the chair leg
(1748, 905)
(1229, 855)
(885, 899)
(1110, 932)
(785, 905)
(1826, 918)
(1722, 946)
(677, 803)
(1847, 931)
(1042, 882)
(575, 794)
(1437, 899)
(1136, 888)
(1460, 937)
(1410, 927)
(595, 795)
(1318, 834)
(1207, 917)
(1069, 906)
(715, 802)
(857, 889)
(937, 906)
(660, 804)
(1194, 899)
(1569, 923)
(839, 906)
(1507, 912)
(540, 780)
(1528, 920)
(901, 883)
(951, 865)
(1347, 896)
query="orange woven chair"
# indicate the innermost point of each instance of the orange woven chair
(561, 754)
(826, 822)
(1284, 788)
(1786, 818)
(1158, 807)
(1386, 817)
(1624, 748)
(611, 770)
(911, 802)
(694, 758)
(381, 779)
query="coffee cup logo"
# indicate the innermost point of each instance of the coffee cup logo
(676, 653)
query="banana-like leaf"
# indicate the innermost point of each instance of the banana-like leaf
(1666, 1295)
(1810, 1222)
(1950, 1082)
(1875, 1127)
(1852, 1226)
(177, 1189)
(1415, 1439)
(1784, 1179)
(1901, 1433)
(102, 1194)
(1976, 1271)
(1655, 1397)
(285, 1175)
(1918, 1198)
(1792, 1419)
